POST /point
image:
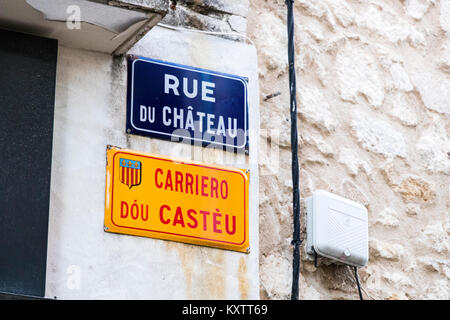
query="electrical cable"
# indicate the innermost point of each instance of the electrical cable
(358, 284)
(296, 241)
(361, 286)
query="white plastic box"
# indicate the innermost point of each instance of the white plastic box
(337, 228)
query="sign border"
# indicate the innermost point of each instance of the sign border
(130, 98)
(241, 247)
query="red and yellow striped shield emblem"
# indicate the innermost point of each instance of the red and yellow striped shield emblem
(130, 172)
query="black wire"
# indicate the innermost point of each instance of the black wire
(294, 149)
(357, 283)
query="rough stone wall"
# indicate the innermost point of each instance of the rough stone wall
(210, 15)
(373, 87)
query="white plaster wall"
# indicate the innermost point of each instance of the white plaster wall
(83, 261)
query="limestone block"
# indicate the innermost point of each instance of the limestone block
(271, 42)
(315, 109)
(434, 90)
(417, 8)
(276, 284)
(389, 173)
(433, 146)
(337, 277)
(325, 148)
(343, 12)
(412, 209)
(398, 279)
(357, 73)
(436, 238)
(388, 218)
(318, 9)
(386, 250)
(350, 158)
(378, 136)
(308, 292)
(435, 264)
(444, 59)
(403, 107)
(384, 21)
(415, 189)
(438, 290)
(400, 77)
(444, 18)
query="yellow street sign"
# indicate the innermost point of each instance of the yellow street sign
(171, 199)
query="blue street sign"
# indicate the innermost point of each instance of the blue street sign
(181, 103)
